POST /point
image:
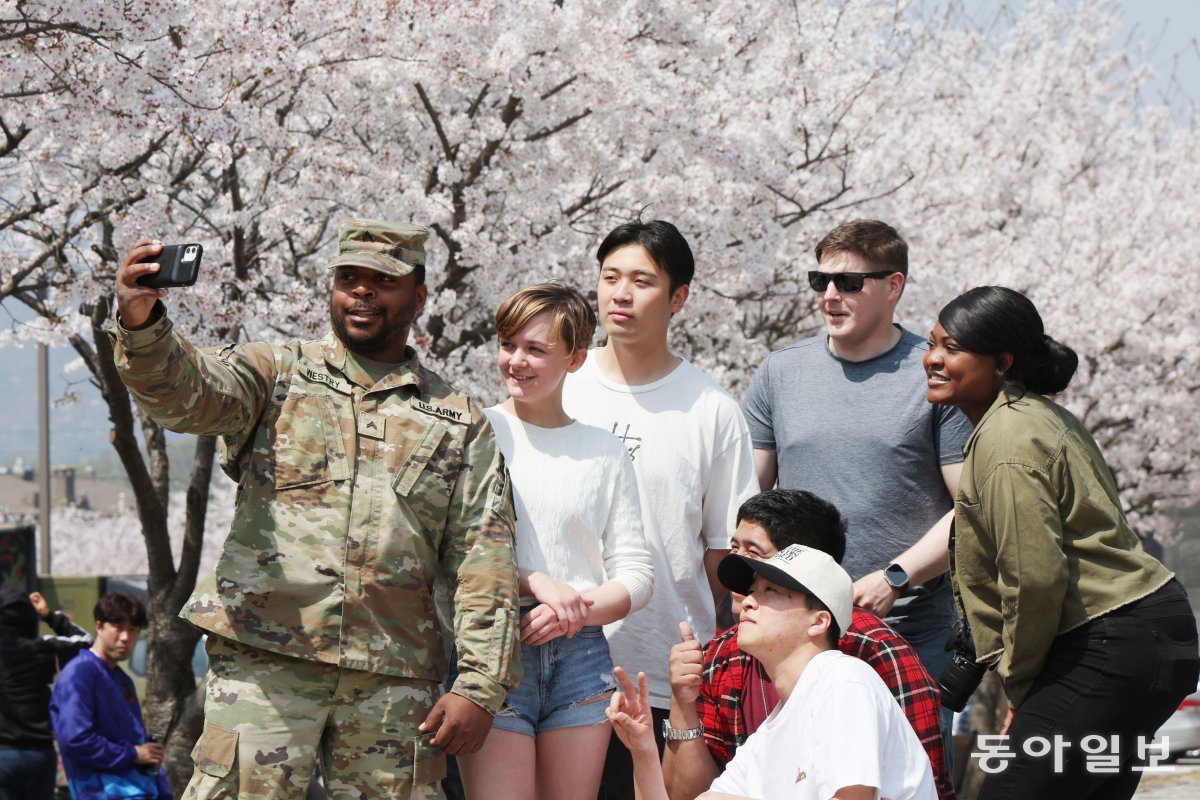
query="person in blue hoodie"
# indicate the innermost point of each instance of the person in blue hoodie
(96, 716)
(28, 663)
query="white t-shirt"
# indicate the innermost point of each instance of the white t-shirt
(840, 727)
(576, 498)
(691, 451)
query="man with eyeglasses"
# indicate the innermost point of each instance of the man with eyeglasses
(719, 693)
(836, 733)
(843, 415)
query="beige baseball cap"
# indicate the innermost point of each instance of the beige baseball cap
(799, 568)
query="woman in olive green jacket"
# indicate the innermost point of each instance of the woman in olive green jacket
(1094, 640)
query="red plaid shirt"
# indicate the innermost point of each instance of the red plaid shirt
(720, 704)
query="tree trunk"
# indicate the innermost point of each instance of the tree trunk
(174, 703)
(987, 710)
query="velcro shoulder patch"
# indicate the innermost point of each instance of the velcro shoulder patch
(444, 411)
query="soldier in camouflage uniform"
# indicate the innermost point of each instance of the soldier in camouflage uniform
(363, 478)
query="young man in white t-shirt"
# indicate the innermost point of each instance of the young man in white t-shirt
(690, 449)
(837, 732)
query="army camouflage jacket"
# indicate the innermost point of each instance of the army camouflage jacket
(353, 500)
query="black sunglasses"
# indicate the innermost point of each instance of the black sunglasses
(848, 282)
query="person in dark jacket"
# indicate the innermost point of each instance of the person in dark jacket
(96, 716)
(28, 664)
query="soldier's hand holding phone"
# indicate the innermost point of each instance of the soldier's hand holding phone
(146, 271)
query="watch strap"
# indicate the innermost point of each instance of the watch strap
(677, 735)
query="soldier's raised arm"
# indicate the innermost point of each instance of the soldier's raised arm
(181, 387)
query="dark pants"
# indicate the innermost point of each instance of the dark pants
(617, 781)
(27, 774)
(1122, 674)
(930, 647)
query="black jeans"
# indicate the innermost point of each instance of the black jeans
(27, 774)
(1121, 674)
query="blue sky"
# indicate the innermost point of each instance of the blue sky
(1172, 28)
(1168, 28)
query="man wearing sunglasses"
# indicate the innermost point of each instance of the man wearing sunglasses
(843, 415)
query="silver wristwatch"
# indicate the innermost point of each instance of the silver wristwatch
(686, 735)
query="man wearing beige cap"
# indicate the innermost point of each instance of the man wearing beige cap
(363, 479)
(837, 732)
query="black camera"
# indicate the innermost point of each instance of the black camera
(962, 675)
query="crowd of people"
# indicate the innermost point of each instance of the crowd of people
(532, 588)
(68, 687)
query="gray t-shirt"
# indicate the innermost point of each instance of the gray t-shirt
(862, 436)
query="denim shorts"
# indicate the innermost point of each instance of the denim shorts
(566, 683)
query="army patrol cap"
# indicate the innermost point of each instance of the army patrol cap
(382, 246)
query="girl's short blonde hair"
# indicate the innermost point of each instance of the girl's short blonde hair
(574, 321)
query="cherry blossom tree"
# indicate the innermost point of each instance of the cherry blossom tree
(521, 132)
(1059, 183)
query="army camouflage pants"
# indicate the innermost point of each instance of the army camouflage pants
(268, 718)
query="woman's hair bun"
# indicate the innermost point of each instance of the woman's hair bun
(1051, 370)
(990, 320)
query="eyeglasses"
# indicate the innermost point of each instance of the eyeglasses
(848, 282)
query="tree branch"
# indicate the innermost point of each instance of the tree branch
(150, 499)
(447, 150)
(566, 123)
(12, 139)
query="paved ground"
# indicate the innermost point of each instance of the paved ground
(1182, 784)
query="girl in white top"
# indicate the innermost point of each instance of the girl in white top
(581, 554)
